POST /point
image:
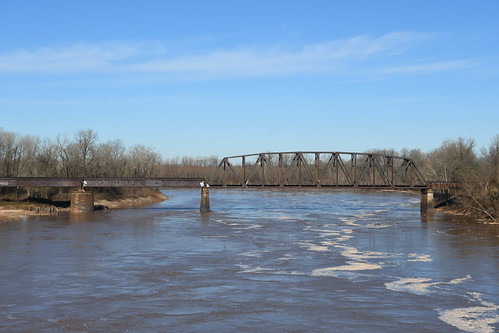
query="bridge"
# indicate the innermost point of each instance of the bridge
(327, 169)
(319, 169)
(83, 201)
(271, 169)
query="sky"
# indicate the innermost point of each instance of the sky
(220, 78)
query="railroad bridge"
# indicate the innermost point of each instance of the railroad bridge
(280, 169)
(318, 169)
(83, 201)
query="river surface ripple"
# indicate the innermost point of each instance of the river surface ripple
(263, 260)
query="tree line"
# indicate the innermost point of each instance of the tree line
(459, 161)
(79, 156)
(82, 155)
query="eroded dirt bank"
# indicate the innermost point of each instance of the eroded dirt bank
(18, 210)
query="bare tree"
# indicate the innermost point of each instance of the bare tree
(142, 161)
(7, 152)
(453, 161)
(47, 163)
(110, 159)
(26, 155)
(77, 155)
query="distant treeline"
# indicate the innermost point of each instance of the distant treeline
(82, 155)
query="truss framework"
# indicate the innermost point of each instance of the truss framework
(332, 169)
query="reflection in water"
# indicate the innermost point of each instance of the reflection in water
(263, 260)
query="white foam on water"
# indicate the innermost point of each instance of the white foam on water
(262, 270)
(255, 253)
(257, 269)
(355, 254)
(460, 280)
(474, 296)
(351, 266)
(364, 215)
(286, 258)
(476, 319)
(251, 226)
(314, 247)
(352, 223)
(326, 232)
(344, 238)
(345, 235)
(349, 275)
(318, 248)
(420, 285)
(419, 257)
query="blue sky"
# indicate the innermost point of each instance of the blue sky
(203, 78)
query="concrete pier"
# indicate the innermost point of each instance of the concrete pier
(427, 201)
(82, 201)
(205, 200)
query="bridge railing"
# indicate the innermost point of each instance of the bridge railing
(333, 169)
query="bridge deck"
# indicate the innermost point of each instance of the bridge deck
(99, 182)
(380, 187)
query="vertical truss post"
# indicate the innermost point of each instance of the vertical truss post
(281, 173)
(224, 180)
(411, 180)
(244, 170)
(262, 167)
(317, 167)
(298, 167)
(336, 169)
(353, 158)
(372, 168)
(389, 164)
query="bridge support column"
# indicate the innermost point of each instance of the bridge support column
(427, 201)
(82, 201)
(205, 200)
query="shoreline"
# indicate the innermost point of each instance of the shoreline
(20, 211)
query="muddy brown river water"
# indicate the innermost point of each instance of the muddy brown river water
(262, 261)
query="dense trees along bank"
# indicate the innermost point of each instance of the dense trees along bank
(82, 155)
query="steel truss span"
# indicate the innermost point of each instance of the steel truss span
(319, 169)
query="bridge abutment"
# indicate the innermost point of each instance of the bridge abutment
(82, 201)
(427, 201)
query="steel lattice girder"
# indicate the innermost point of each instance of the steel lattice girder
(295, 169)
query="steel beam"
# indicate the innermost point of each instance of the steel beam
(40, 182)
(99, 182)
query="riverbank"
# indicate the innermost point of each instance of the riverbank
(19, 210)
(132, 202)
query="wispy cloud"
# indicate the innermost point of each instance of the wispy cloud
(73, 59)
(361, 53)
(430, 67)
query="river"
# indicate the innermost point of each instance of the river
(261, 261)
